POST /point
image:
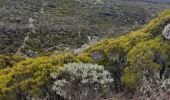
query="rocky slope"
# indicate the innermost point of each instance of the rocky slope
(41, 26)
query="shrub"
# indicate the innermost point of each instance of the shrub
(4, 61)
(145, 60)
(166, 32)
(26, 78)
(9, 61)
(81, 81)
(130, 79)
(31, 77)
(155, 90)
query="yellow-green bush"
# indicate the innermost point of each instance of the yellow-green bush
(31, 76)
(131, 79)
(10, 60)
(143, 58)
(4, 61)
(139, 49)
(28, 76)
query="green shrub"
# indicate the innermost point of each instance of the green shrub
(32, 76)
(9, 61)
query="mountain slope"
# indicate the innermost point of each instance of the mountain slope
(61, 25)
(135, 59)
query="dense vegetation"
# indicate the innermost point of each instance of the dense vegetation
(140, 51)
(131, 60)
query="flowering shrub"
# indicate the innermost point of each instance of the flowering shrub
(79, 81)
(166, 32)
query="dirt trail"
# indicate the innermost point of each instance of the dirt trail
(31, 26)
(116, 97)
(23, 44)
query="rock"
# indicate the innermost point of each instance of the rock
(97, 56)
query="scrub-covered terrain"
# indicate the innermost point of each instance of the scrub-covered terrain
(36, 27)
(84, 50)
(136, 65)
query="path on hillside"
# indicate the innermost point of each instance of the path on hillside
(23, 44)
(116, 97)
(30, 26)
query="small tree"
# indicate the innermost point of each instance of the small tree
(82, 81)
(166, 32)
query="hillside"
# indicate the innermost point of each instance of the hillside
(138, 64)
(37, 27)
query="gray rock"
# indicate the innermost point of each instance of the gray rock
(97, 56)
